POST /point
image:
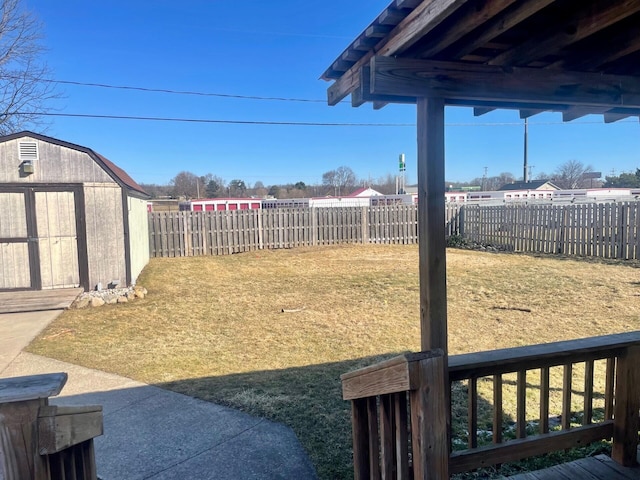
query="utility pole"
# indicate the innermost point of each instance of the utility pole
(526, 150)
(484, 178)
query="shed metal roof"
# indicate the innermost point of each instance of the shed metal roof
(575, 57)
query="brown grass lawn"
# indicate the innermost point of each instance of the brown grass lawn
(213, 327)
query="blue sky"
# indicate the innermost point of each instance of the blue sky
(270, 49)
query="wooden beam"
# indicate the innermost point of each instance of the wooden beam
(573, 113)
(528, 112)
(473, 14)
(479, 111)
(410, 77)
(498, 25)
(431, 228)
(391, 16)
(426, 16)
(597, 17)
(627, 404)
(627, 42)
(362, 94)
(615, 117)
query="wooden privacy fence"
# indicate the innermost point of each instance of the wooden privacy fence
(606, 230)
(178, 234)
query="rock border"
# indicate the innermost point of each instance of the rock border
(109, 296)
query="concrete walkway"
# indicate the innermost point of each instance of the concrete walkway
(151, 433)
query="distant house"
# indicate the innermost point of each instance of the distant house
(531, 185)
(69, 217)
(364, 192)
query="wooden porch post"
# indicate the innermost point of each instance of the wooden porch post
(431, 403)
(431, 227)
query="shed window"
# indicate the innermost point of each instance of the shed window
(28, 150)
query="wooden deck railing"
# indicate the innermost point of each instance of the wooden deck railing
(402, 409)
(39, 441)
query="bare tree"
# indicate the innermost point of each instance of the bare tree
(341, 179)
(188, 185)
(570, 175)
(25, 84)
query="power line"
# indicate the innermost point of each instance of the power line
(184, 92)
(303, 124)
(231, 122)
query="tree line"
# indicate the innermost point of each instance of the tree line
(337, 182)
(570, 175)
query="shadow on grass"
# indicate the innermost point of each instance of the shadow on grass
(308, 399)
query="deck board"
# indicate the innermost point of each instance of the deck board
(38, 300)
(600, 467)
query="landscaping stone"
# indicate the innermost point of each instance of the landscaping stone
(97, 302)
(82, 303)
(110, 296)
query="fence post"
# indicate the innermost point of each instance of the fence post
(461, 228)
(430, 419)
(365, 225)
(627, 405)
(314, 226)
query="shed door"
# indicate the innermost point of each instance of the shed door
(57, 239)
(14, 247)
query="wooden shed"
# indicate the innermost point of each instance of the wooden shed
(567, 56)
(69, 217)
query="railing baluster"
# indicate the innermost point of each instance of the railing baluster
(521, 394)
(609, 388)
(374, 440)
(472, 413)
(588, 392)
(360, 426)
(566, 396)
(497, 408)
(387, 440)
(402, 435)
(544, 400)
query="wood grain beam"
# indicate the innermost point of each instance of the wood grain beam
(528, 112)
(549, 41)
(627, 42)
(431, 228)
(574, 113)
(424, 18)
(472, 15)
(615, 117)
(362, 94)
(452, 80)
(498, 25)
(479, 111)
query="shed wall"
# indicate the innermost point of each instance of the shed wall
(55, 164)
(105, 234)
(138, 235)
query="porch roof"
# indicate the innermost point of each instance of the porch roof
(532, 55)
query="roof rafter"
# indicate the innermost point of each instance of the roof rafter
(590, 21)
(472, 15)
(500, 24)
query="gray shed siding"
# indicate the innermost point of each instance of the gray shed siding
(138, 235)
(105, 234)
(101, 198)
(55, 164)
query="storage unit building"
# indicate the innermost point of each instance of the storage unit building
(69, 217)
